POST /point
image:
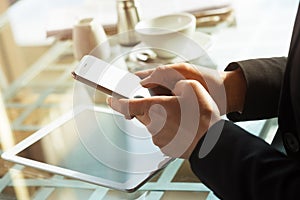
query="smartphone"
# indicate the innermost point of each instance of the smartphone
(109, 79)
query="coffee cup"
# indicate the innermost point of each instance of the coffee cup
(89, 38)
(167, 35)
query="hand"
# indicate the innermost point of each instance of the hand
(226, 88)
(176, 122)
(167, 76)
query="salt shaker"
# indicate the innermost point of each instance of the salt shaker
(128, 17)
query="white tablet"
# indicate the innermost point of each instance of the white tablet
(94, 145)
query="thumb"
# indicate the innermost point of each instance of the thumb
(129, 108)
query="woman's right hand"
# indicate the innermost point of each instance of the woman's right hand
(226, 88)
(169, 75)
(163, 79)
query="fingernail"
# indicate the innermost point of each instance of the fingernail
(138, 73)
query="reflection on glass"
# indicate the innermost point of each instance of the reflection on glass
(7, 141)
(102, 145)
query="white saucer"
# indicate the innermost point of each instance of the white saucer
(201, 43)
(203, 39)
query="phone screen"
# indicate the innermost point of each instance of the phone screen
(109, 79)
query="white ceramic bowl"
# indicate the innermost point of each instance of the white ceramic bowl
(165, 34)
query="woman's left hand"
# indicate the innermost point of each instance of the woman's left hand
(177, 122)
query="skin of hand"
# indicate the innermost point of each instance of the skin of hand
(187, 101)
(227, 88)
(176, 122)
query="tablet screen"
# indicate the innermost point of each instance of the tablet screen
(99, 144)
(63, 148)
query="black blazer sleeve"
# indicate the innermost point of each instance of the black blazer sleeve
(242, 166)
(264, 78)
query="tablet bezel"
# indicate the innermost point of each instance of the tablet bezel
(11, 155)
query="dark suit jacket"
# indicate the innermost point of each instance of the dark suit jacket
(242, 166)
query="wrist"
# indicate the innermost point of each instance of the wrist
(235, 87)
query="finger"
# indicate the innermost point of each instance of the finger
(209, 115)
(115, 104)
(187, 88)
(140, 107)
(129, 107)
(149, 83)
(164, 76)
(184, 87)
(157, 116)
(192, 72)
(161, 114)
(144, 73)
(204, 97)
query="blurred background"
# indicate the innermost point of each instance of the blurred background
(37, 57)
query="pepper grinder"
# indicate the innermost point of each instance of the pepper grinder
(128, 17)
